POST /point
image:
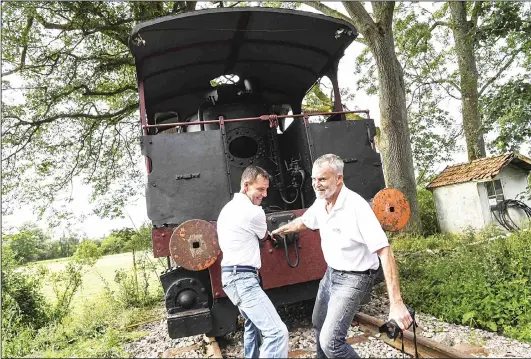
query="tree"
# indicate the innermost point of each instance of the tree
(394, 136)
(507, 110)
(79, 117)
(486, 39)
(29, 244)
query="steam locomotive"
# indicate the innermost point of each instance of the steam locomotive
(200, 133)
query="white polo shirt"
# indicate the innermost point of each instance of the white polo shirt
(240, 226)
(350, 234)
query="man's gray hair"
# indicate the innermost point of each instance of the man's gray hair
(333, 161)
(251, 174)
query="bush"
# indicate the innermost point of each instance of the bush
(427, 211)
(485, 283)
(24, 309)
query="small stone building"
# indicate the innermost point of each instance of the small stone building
(467, 195)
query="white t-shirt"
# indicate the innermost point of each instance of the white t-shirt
(240, 226)
(350, 234)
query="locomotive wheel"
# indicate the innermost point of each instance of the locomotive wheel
(392, 209)
(194, 245)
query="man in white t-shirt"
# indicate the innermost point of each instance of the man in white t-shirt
(353, 245)
(241, 225)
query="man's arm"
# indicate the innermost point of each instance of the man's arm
(294, 226)
(397, 309)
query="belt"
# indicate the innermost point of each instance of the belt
(368, 271)
(239, 269)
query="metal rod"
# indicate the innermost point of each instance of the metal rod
(258, 118)
(143, 119)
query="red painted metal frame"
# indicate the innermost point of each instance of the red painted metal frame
(275, 271)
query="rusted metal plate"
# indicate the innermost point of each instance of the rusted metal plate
(160, 240)
(194, 245)
(392, 209)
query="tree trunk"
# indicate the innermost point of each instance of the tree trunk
(464, 47)
(394, 141)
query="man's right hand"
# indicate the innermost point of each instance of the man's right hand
(277, 232)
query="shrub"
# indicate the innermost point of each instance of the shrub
(427, 211)
(24, 309)
(484, 283)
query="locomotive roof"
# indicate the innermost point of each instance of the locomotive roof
(281, 51)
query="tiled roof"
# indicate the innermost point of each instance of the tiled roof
(480, 169)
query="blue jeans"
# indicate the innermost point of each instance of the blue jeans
(338, 299)
(265, 335)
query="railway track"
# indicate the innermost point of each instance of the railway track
(369, 325)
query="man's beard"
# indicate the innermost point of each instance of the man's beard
(326, 194)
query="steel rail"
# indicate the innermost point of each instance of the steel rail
(426, 348)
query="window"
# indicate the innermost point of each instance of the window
(494, 192)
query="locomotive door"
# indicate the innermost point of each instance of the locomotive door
(188, 178)
(352, 141)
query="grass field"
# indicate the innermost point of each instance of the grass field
(105, 268)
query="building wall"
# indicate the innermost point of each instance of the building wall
(514, 182)
(458, 207)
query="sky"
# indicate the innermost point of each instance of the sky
(93, 227)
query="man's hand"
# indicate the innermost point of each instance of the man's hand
(277, 232)
(400, 314)
(294, 226)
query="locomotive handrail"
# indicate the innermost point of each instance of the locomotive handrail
(270, 118)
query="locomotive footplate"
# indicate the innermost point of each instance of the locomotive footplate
(189, 323)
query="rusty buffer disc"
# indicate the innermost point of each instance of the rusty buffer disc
(392, 209)
(194, 245)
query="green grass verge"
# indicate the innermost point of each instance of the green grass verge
(482, 280)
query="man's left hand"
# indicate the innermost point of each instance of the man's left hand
(400, 314)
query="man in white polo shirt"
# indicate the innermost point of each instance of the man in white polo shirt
(241, 224)
(352, 241)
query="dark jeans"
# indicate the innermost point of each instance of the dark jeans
(338, 300)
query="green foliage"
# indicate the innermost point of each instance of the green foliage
(111, 244)
(94, 333)
(507, 110)
(134, 287)
(97, 329)
(127, 240)
(428, 213)
(499, 32)
(29, 244)
(87, 253)
(24, 309)
(480, 281)
(79, 114)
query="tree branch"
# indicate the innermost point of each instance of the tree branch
(432, 27)
(383, 13)
(500, 71)
(476, 10)
(359, 17)
(317, 5)
(23, 37)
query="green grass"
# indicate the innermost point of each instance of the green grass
(93, 285)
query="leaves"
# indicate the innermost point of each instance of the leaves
(79, 112)
(507, 111)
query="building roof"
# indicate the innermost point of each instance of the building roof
(479, 170)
